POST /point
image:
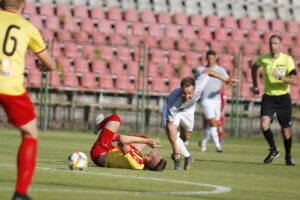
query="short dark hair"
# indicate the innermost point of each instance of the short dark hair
(211, 52)
(186, 82)
(161, 165)
(7, 4)
(275, 36)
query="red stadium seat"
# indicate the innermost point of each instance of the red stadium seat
(246, 23)
(197, 20)
(237, 35)
(106, 82)
(152, 70)
(34, 78)
(174, 83)
(249, 48)
(87, 25)
(80, 11)
(70, 24)
(107, 52)
(48, 35)
(167, 70)
(155, 30)
(29, 9)
(37, 21)
(200, 45)
(159, 86)
(229, 22)
(132, 68)
(205, 33)
(164, 17)
(104, 26)
(131, 15)
(267, 35)
(64, 63)
(295, 51)
(157, 55)
(138, 29)
(216, 46)
(116, 67)
(277, 25)
(213, 21)
(221, 34)
(56, 49)
(293, 27)
(97, 13)
(123, 83)
(262, 24)
(114, 14)
(233, 47)
(192, 58)
(52, 22)
(63, 10)
(88, 80)
(71, 50)
(172, 31)
(29, 61)
(148, 16)
(133, 40)
(254, 36)
(46, 9)
(88, 51)
(98, 38)
(286, 38)
(121, 27)
(81, 66)
(54, 79)
(184, 44)
(150, 42)
(64, 35)
(186, 71)
(71, 80)
(167, 43)
(124, 54)
(264, 49)
(225, 60)
(188, 32)
(181, 18)
(115, 39)
(175, 57)
(99, 66)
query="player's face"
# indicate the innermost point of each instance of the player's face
(211, 60)
(275, 45)
(187, 93)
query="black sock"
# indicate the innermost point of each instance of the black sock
(288, 146)
(269, 137)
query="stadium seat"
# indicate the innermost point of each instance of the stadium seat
(71, 50)
(286, 38)
(184, 44)
(207, 8)
(52, 23)
(222, 8)
(150, 42)
(237, 10)
(164, 18)
(147, 16)
(121, 27)
(245, 23)
(97, 13)
(167, 71)
(104, 26)
(229, 23)
(87, 25)
(71, 80)
(277, 25)
(116, 67)
(254, 36)
(158, 86)
(88, 80)
(64, 63)
(115, 39)
(191, 58)
(264, 49)
(152, 70)
(29, 61)
(284, 13)
(172, 31)
(191, 7)
(80, 11)
(132, 69)
(112, 4)
(216, 46)
(106, 82)
(186, 71)
(200, 45)
(48, 35)
(99, 66)
(29, 9)
(54, 79)
(157, 55)
(205, 33)
(64, 35)
(114, 13)
(63, 10)
(124, 54)
(174, 83)
(237, 35)
(221, 34)
(293, 27)
(155, 30)
(79, 2)
(295, 52)
(233, 47)
(56, 49)
(268, 13)
(34, 78)
(249, 48)
(188, 32)
(267, 35)
(181, 18)
(225, 60)
(253, 11)
(131, 15)
(70, 24)
(81, 66)
(46, 9)
(133, 40)
(123, 83)
(107, 52)
(175, 57)
(262, 24)
(197, 20)
(167, 43)
(88, 51)
(213, 21)
(37, 21)
(98, 38)
(138, 29)
(144, 5)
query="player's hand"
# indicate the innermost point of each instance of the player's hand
(42, 68)
(175, 156)
(154, 143)
(255, 91)
(232, 80)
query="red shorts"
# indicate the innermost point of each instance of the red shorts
(19, 109)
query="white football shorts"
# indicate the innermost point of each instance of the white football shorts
(211, 108)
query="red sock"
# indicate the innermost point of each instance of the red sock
(221, 135)
(26, 164)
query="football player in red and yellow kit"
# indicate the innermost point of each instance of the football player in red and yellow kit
(16, 35)
(127, 154)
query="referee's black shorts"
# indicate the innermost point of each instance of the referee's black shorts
(281, 105)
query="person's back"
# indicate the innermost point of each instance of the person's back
(16, 35)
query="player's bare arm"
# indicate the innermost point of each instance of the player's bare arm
(227, 80)
(171, 133)
(48, 64)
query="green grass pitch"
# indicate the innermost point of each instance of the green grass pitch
(239, 168)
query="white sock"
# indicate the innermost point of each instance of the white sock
(215, 137)
(182, 148)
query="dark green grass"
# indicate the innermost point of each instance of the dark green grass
(239, 167)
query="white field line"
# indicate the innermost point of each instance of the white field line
(216, 188)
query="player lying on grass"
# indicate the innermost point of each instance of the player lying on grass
(127, 154)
